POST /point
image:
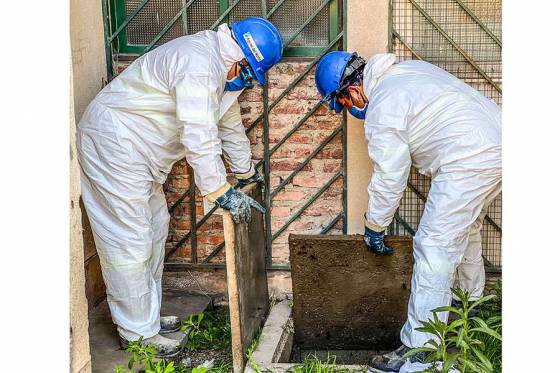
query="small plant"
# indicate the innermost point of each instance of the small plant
(144, 360)
(465, 343)
(208, 331)
(312, 364)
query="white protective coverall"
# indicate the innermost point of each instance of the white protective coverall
(420, 115)
(163, 107)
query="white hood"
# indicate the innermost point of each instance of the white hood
(375, 67)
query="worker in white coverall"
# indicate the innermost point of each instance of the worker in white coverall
(416, 114)
(177, 101)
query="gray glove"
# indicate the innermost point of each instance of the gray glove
(239, 204)
(256, 178)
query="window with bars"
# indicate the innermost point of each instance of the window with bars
(306, 26)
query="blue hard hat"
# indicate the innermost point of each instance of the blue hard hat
(328, 76)
(261, 44)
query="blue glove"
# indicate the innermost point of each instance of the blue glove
(239, 204)
(256, 178)
(374, 242)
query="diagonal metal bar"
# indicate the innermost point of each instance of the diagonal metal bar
(320, 147)
(275, 8)
(455, 45)
(128, 20)
(406, 226)
(224, 15)
(479, 22)
(214, 252)
(401, 39)
(307, 204)
(307, 21)
(163, 32)
(333, 222)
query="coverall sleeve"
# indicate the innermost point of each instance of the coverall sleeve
(235, 144)
(388, 148)
(197, 115)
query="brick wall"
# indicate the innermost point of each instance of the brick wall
(284, 161)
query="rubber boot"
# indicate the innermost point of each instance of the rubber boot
(169, 324)
(165, 347)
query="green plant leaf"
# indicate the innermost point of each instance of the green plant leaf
(480, 301)
(448, 309)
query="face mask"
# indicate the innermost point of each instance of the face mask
(355, 101)
(359, 113)
(239, 77)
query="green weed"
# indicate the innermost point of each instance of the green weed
(312, 364)
(470, 343)
(144, 360)
(209, 330)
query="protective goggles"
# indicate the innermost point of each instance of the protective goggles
(353, 73)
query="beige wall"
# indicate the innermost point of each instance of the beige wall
(87, 74)
(88, 51)
(367, 32)
(80, 359)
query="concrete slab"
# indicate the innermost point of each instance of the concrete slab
(105, 350)
(345, 297)
(246, 279)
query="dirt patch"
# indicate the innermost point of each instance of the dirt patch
(345, 297)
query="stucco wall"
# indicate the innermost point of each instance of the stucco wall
(80, 359)
(87, 74)
(367, 33)
(90, 74)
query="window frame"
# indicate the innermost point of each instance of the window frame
(118, 17)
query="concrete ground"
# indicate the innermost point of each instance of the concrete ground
(105, 351)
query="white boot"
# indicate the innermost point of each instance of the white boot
(169, 324)
(166, 347)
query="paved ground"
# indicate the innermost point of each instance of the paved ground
(105, 352)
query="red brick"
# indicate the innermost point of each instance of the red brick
(331, 166)
(281, 212)
(288, 165)
(307, 180)
(290, 195)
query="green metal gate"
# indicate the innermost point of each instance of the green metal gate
(464, 38)
(309, 28)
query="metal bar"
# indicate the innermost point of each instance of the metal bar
(224, 15)
(455, 45)
(395, 33)
(307, 21)
(178, 202)
(332, 223)
(106, 31)
(321, 146)
(479, 22)
(194, 240)
(188, 234)
(214, 252)
(185, 18)
(307, 204)
(266, 167)
(163, 32)
(344, 135)
(390, 27)
(128, 20)
(406, 226)
(274, 8)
